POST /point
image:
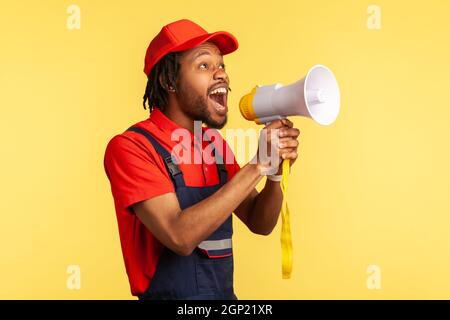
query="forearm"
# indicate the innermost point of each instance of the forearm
(264, 215)
(197, 222)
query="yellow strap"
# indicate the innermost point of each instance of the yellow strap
(286, 239)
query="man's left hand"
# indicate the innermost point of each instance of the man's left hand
(288, 143)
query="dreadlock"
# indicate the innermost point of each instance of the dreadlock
(155, 93)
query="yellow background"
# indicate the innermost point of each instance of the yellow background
(373, 188)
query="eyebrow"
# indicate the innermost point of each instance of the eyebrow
(201, 53)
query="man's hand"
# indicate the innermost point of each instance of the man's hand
(279, 139)
(288, 143)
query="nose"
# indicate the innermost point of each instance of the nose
(220, 74)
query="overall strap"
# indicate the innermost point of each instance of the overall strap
(220, 164)
(221, 169)
(171, 165)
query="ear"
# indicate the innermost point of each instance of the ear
(164, 83)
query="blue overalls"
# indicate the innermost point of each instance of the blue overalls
(207, 273)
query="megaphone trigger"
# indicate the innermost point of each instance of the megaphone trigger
(266, 123)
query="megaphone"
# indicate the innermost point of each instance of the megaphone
(315, 96)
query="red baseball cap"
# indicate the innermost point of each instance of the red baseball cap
(183, 35)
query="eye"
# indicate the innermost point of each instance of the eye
(204, 66)
(222, 66)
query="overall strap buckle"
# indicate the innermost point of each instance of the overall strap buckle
(173, 167)
(222, 167)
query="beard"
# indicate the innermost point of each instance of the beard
(196, 107)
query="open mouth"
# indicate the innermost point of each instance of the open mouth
(218, 98)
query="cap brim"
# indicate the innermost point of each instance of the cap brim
(225, 41)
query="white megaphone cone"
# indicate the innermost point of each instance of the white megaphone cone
(315, 96)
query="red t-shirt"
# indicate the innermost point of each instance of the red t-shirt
(137, 172)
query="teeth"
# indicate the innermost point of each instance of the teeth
(219, 91)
